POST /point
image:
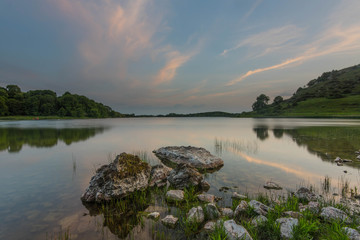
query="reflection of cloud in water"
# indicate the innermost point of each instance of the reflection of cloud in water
(235, 146)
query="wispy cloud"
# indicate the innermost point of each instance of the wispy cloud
(252, 9)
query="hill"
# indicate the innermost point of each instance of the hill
(333, 94)
(14, 102)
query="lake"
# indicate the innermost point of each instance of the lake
(45, 166)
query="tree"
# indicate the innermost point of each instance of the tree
(261, 102)
(13, 90)
(278, 100)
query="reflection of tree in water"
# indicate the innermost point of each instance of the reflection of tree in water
(278, 132)
(12, 139)
(328, 142)
(261, 132)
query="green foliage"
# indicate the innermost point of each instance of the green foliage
(261, 102)
(219, 232)
(305, 229)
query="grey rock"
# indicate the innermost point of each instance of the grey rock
(238, 196)
(212, 211)
(199, 158)
(195, 215)
(175, 195)
(331, 213)
(339, 164)
(235, 231)
(204, 185)
(352, 233)
(272, 185)
(154, 215)
(286, 226)
(169, 221)
(205, 197)
(259, 220)
(209, 226)
(227, 212)
(184, 176)
(304, 193)
(125, 175)
(347, 160)
(159, 174)
(293, 214)
(338, 159)
(358, 157)
(259, 207)
(241, 208)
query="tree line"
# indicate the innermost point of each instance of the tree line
(14, 102)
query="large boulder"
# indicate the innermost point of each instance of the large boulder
(184, 176)
(259, 207)
(118, 179)
(159, 174)
(334, 214)
(212, 211)
(235, 231)
(286, 226)
(195, 215)
(199, 158)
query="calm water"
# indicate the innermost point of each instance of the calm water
(45, 166)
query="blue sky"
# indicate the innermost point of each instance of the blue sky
(160, 56)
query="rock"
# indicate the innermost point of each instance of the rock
(175, 195)
(347, 160)
(352, 233)
(154, 215)
(338, 159)
(258, 220)
(204, 185)
(286, 226)
(235, 231)
(358, 157)
(304, 193)
(209, 226)
(224, 189)
(259, 208)
(212, 211)
(339, 164)
(205, 197)
(158, 175)
(293, 214)
(331, 213)
(227, 212)
(238, 196)
(313, 207)
(272, 185)
(199, 158)
(241, 208)
(184, 176)
(118, 179)
(195, 215)
(357, 152)
(169, 221)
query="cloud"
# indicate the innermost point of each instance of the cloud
(252, 9)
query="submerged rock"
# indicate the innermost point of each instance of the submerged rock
(238, 196)
(286, 226)
(272, 185)
(158, 175)
(199, 158)
(118, 179)
(235, 231)
(169, 221)
(184, 176)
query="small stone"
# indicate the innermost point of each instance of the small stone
(212, 211)
(154, 215)
(259, 208)
(331, 214)
(352, 233)
(304, 193)
(205, 197)
(339, 164)
(175, 195)
(345, 171)
(338, 159)
(238, 196)
(169, 221)
(293, 214)
(227, 212)
(235, 231)
(204, 185)
(196, 214)
(272, 185)
(209, 226)
(243, 205)
(286, 226)
(259, 220)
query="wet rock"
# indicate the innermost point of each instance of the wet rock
(293, 214)
(175, 195)
(241, 208)
(258, 220)
(118, 179)
(304, 193)
(259, 207)
(210, 226)
(154, 215)
(169, 221)
(338, 159)
(238, 196)
(331, 214)
(235, 231)
(212, 211)
(352, 233)
(347, 160)
(272, 185)
(184, 176)
(286, 226)
(224, 189)
(158, 175)
(204, 185)
(199, 158)
(205, 197)
(195, 215)
(227, 212)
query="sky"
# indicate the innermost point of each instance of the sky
(161, 56)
